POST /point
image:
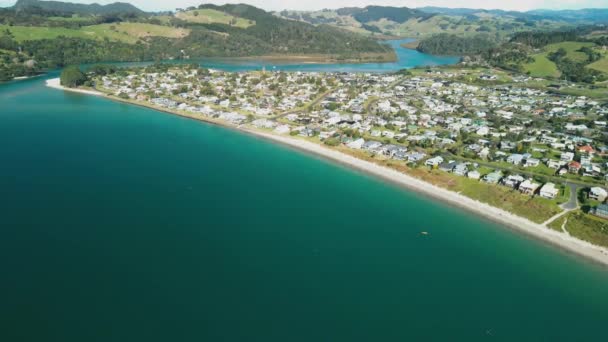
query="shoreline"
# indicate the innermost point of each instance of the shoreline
(390, 57)
(566, 243)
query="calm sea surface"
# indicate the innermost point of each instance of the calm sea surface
(120, 223)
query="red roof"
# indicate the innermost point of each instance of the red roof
(587, 149)
(574, 165)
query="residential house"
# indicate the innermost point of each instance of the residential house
(493, 178)
(587, 149)
(602, 210)
(356, 144)
(515, 159)
(435, 161)
(567, 157)
(474, 174)
(512, 181)
(447, 167)
(528, 187)
(598, 194)
(461, 169)
(549, 191)
(532, 162)
(574, 167)
(554, 164)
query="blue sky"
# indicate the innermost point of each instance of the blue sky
(519, 5)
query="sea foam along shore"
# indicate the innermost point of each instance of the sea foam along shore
(568, 243)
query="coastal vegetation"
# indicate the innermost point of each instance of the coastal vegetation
(72, 76)
(588, 227)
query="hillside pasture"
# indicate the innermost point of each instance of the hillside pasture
(123, 32)
(542, 66)
(211, 16)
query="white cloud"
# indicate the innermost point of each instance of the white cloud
(521, 5)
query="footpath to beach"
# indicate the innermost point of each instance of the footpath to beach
(541, 232)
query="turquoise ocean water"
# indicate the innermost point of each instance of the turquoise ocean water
(121, 223)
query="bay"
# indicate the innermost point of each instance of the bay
(121, 223)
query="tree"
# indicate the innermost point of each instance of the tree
(71, 77)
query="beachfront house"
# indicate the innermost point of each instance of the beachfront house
(493, 178)
(549, 191)
(513, 181)
(602, 211)
(461, 169)
(474, 174)
(356, 144)
(435, 161)
(528, 187)
(447, 167)
(598, 194)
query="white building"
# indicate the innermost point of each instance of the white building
(549, 191)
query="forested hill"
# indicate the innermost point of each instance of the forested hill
(277, 35)
(449, 44)
(68, 7)
(35, 38)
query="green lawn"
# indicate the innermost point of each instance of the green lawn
(210, 16)
(124, 32)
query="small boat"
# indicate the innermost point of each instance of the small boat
(424, 233)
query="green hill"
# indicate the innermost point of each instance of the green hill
(413, 23)
(212, 16)
(68, 7)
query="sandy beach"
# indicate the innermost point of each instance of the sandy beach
(567, 243)
(56, 83)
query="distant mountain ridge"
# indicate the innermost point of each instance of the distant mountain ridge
(83, 9)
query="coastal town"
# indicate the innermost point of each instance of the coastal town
(512, 141)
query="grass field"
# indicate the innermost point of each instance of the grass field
(542, 66)
(210, 16)
(602, 64)
(588, 227)
(571, 48)
(533, 208)
(124, 32)
(73, 19)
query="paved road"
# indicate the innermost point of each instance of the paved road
(573, 201)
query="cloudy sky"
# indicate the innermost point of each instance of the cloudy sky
(520, 5)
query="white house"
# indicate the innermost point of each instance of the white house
(434, 161)
(356, 144)
(549, 191)
(598, 194)
(528, 187)
(532, 162)
(515, 159)
(474, 174)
